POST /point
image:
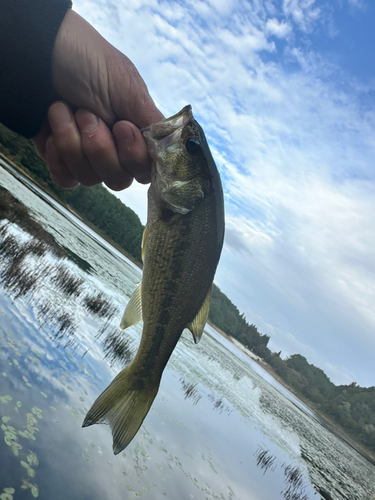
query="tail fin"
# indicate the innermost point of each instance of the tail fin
(124, 405)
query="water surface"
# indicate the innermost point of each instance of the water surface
(220, 427)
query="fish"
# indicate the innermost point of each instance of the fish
(181, 248)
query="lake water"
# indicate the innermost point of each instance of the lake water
(220, 427)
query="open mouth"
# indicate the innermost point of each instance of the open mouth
(163, 134)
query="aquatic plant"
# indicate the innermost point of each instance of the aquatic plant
(265, 460)
(59, 320)
(7, 494)
(66, 282)
(14, 211)
(190, 391)
(295, 485)
(65, 324)
(99, 305)
(219, 404)
(9, 244)
(17, 278)
(117, 348)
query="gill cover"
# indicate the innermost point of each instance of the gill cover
(177, 148)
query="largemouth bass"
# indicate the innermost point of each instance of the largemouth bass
(181, 248)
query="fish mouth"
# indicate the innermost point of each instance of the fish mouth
(167, 132)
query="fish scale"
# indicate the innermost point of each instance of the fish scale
(181, 249)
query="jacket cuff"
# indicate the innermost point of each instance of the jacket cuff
(28, 29)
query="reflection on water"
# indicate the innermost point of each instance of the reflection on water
(294, 477)
(219, 404)
(60, 322)
(295, 484)
(214, 431)
(66, 282)
(118, 348)
(99, 305)
(265, 460)
(190, 391)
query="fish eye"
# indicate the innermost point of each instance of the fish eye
(193, 145)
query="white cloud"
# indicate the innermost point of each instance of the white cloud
(278, 29)
(295, 149)
(303, 12)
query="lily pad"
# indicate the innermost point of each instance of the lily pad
(37, 412)
(34, 491)
(31, 472)
(16, 447)
(6, 496)
(6, 398)
(32, 459)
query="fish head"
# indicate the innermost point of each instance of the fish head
(181, 170)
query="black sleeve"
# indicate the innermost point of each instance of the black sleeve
(27, 32)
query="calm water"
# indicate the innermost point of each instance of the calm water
(220, 427)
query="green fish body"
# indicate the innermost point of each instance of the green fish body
(181, 248)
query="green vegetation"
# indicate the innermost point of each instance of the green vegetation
(225, 315)
(95, 205)
(351, 407)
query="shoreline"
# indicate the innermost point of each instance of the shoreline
(326, 421)
(23, 171)
(329, 424)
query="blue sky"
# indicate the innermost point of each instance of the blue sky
(284, 90)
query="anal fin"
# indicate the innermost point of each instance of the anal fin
(133, 310)
(197, 325)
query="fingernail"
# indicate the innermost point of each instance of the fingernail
(86, 121)
(59, 116)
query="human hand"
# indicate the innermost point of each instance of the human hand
(101, 142)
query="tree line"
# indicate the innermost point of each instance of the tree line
(350, 406)
(95, 204)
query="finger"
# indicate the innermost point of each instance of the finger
(58, 171)
(67, 140)
(41, 138)
(99, 147)
(132, 151)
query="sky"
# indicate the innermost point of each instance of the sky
(285, 91)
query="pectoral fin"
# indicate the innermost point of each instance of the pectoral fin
(133, 310)
(197, 325)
